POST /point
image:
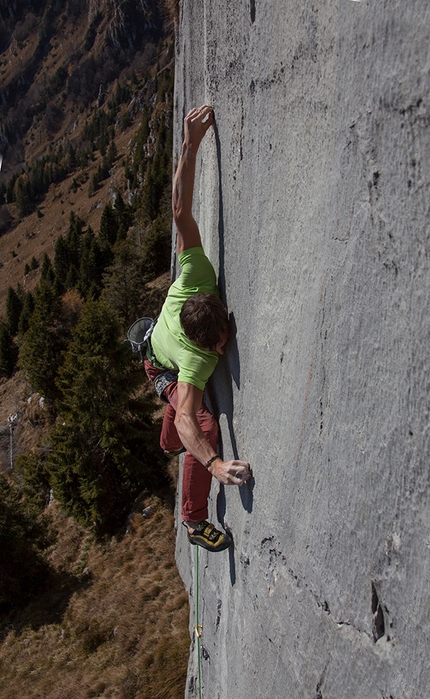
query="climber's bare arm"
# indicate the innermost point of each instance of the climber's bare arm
(196, 124)
(189, 403)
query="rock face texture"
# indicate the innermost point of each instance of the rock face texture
(313, 199)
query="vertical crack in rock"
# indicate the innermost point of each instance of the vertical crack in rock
(318, 693)
(378, 623)
(252, 8)
(218, 614)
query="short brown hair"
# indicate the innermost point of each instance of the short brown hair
(204, 320)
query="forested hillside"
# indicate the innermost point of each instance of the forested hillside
(85, 229)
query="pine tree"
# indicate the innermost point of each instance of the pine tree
(123, 215)
(85, 272)
(102, 143)
(104, 449)
(44, 342)
(68, 254)
(74, 239)
(72, 279)
(109, 225)
(123, 281)
(47, 273)
(8, 352)
(150, 195)
(95, 257)
(23, 195)
(156, 249)
(61, 261)
(112, 153)
(93, 185)
(14, 304)
(30, 472)
(27, 310)
(71, 158)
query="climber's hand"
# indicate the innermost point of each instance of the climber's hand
(196, 123)
(230, 472)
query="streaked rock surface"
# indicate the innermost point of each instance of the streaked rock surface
(313, 200)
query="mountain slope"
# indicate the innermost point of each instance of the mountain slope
(57, 68)
(85, 134)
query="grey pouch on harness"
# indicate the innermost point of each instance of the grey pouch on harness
(163, 380)
(139, 334)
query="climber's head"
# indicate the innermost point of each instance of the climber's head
(204, 320)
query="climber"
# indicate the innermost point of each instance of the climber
(188, 337)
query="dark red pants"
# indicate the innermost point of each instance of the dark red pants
(196, 481)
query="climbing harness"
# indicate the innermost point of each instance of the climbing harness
(163, 380)
(139, 336)
(198, 627)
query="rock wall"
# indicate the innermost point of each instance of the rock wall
(313, 200)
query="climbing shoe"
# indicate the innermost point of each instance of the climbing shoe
(209, 538)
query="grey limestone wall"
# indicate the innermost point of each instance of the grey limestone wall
(312, 194)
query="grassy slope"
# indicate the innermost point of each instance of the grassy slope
(112, 624)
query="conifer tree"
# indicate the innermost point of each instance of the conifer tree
(10, 189)
(22, 193)
(103, 169)
(85, 272)
(8, 352)
(44, 342)
(61, 261)
(123, 281)
(109, 225)
(94, 260)
(68, 254)
(72, 279)
(93, 185)
(71, 157)
(156, 249)
(30, 472)
(156, 181)
(112, 153)
(14, 304)
(102, 143)
(76, 224)
(74, 239)
(47, 273)
(27, 310)
(123, 215)
(104, 449)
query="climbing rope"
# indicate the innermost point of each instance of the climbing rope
(198, 628)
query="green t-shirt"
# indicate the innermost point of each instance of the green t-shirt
(171, 346)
